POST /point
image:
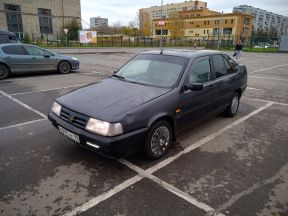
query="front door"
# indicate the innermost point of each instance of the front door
(38, 60)
(197, 104)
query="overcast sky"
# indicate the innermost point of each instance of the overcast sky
(126, 10)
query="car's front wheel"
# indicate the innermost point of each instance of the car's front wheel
(64, 67)
(158, 140)
(4, 71)
(233, 105)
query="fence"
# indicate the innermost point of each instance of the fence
(212, 42)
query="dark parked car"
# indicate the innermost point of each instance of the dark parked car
(148, 99)
(28, 58)
(8, 37)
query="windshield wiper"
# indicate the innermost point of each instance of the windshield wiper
(119, 77)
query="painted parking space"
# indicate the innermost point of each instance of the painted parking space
(241, 171)
(12, 113)
(246, 155)
(44, 173)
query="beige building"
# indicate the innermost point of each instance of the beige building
(203, 23)
(146, 15)
(37, 16)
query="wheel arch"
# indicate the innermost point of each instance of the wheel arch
(165, 117)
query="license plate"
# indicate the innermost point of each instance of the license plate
(69, 134)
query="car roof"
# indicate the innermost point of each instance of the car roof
(183, 53)
(7, 33)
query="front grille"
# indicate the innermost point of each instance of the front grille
(73, 118)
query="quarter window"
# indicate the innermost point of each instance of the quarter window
(14, 50)
(219, 66)
(200, 72)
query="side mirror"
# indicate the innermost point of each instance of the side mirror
(194, 87)
(46, 55)
(115, 71)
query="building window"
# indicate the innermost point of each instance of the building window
(232, 21)
(45, 21)
(208, 22)
(164, 32)
(13, 16)
(225, 21)
(246, 21)
(205, 22)
(227, 31)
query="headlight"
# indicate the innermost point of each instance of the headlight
(56, 108)
(74, 58)
(104, 128)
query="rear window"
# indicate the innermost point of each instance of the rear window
(14, 50)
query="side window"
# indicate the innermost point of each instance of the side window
(200, 72)
(3, 39)
(229, 69)
(232, 62)
(14, 50)
(219, 66)
(34, 51)
(12, 39)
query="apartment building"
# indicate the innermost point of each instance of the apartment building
(147, 15)
(97, 22)
(37, 16)
(263, 20)
(204, 23)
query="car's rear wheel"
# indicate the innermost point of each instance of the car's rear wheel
(233, 105)
(4, 71)
(64, 67)
(158, 140)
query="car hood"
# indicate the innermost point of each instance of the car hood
(109, 98)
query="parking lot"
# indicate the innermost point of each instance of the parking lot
(222, 166)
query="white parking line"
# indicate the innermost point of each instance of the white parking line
(73, 86)
(169, 187)
(269, 78)
(267, 101)
(22, 124)
(93, 202)
(254, 89)
(268, 68)
(205, 140)
(23, 104)
(105, 195)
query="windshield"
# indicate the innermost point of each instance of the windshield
(154, 70)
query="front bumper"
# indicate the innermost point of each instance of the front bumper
(118, 146)
(75, 65)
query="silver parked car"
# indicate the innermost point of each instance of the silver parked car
(29, 58)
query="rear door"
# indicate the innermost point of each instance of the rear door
(197, 104)
(224, 80)
(17, 57)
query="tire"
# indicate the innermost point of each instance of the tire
(233, 105)
(64, 67)
(159, 147)
(4, 71)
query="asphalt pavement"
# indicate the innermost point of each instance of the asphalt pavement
(221, 166)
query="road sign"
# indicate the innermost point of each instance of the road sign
(66, 31)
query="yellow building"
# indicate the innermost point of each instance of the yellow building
(146, 15)
(203, 23)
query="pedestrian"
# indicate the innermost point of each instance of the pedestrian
(238, 50)
(195, 44)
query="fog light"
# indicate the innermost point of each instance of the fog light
(93, 145)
